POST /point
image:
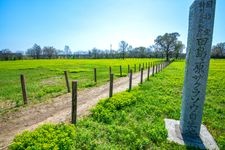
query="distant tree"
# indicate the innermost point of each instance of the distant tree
(167, 43)
(123, 47)
(129, 51)
(49, 51)
(38, 50)
(156, 51)
(5, 54)
(141, 51)
(178, 48)
(30, 52)
(35, 51)
(94, 53)
(18, 55)
(67, 50)
(218, 50)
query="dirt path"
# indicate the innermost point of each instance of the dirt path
(57, 110)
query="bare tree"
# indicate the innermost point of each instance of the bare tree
(30, 52)
(49, 51)
(5, 54)
(67, 50)
(218, 50)
(38, 50)
(123, 47)
(35, 51)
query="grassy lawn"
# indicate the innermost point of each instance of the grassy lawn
(135, 120)
(45, 78)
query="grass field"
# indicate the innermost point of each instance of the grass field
(45, 78)
(135, 120)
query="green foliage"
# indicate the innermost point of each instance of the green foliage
(135, 119)
(46, 137)
(105, 111)
(45, 78)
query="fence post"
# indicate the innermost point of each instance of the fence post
(139, 69)
(148, 72)
(134, 67)
(110, 70)
(128, 68)
(156, 68)
(24, 92)
(141, 75)
(111, 85)
(153, 70)
(121, 74)
(159, 68)
(74, 102)
(95, 75)
(67, 81)
(130, 80)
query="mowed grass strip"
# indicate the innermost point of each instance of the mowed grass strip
(135, 120)
(45, 78)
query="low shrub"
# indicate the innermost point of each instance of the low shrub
(48, 136)
(105, 110)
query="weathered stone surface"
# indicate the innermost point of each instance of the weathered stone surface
(203, 141)
(189, 130)
(201, 21)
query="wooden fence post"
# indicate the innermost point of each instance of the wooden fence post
(148, 72)
(134, 67)
(111, 86)
(128, 68)
(156, 68)
(130, 80)
(110, 70)
(74, 102)
(67, 81)
(95, 75)
(24, 92)
(153, 70)
(159, 67)
(141, 75)
(121, 73)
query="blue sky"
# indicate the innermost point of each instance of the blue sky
(85, 24)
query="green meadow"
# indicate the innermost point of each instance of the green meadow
(135, 119)
(45, 78)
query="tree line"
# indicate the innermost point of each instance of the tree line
(165, 46)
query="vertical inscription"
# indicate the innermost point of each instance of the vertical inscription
(197, 62)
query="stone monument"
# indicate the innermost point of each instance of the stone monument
(189, 130)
